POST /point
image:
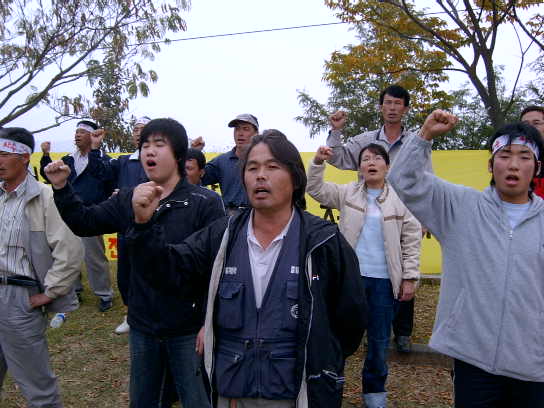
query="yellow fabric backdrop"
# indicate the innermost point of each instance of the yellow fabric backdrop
(467, 167)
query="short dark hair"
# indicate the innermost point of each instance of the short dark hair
(198, 156)
(173, 131)
(88, 123)
(514, 130)
(287, 154)
(396, 91)
(531, 108)
(18, 134)
(377, 149)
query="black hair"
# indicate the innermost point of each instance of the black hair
(377, 149)
(531, 108)
(514, 130)
(287, 154)
(396, 91)
(198, 156)
(174, 132)
(18, 134)
(88, 123)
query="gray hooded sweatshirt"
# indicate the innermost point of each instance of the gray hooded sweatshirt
(491, 308)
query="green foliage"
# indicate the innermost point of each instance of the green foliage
(46, 46)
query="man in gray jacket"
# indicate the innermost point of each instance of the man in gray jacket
(394, 103)
(491, 310)
(39, 264)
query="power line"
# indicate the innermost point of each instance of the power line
(266, 30)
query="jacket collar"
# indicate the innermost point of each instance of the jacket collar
(536, 204)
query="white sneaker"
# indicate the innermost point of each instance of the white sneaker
(123, 327)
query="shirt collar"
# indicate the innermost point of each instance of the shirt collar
(135, 155)
(381, 136)
(19, 190)
(251, 234)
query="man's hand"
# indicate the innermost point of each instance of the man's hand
(338, 120)
(407, 290)
(437, 123)
(145, 200)
(57, 173)
(39, 300)
(96, 138)
(199, 348)
(46, 147)
(323, 153)
(198, 143)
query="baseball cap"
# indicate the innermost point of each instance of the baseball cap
(244, 117)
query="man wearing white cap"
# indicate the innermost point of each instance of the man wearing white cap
(92, 191)
(126, 171)
(225, 169)
(490, 314)
(39, 264)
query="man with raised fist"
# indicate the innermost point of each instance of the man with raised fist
(491, 309)
(163, 324)
(91, 190)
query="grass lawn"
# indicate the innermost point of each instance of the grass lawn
(92, 362)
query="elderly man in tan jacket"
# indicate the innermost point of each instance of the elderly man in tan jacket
(39, 264)
(386, 238)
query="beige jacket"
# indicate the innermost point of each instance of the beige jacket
(55, 252)
(401, 230)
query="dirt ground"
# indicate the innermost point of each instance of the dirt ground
(92, 363)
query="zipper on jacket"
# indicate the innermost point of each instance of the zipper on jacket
(508, 261)
(309, 283)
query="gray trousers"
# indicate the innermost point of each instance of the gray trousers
(223, 402)
(23, 349)
(98, 268)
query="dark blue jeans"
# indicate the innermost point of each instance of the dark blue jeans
(476, 388)
(381, 308)
(151, 356)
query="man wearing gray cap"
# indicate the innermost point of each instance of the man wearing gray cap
(225, 169)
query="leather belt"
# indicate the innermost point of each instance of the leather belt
(19, 280)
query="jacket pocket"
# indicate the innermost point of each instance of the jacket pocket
(290, 314)
(453, 318)
(230, 306)
(230, 382)
(282, 375)
(325, 389)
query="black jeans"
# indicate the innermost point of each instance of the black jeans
(476, 388)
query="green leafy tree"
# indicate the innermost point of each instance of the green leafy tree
(46, 47)
(467, 33)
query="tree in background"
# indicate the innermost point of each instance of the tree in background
(357, 75)
(45, 47)
(466, 32)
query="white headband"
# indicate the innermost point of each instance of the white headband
(12, 146)
(88, 128)
(503, 140)
(142, 121)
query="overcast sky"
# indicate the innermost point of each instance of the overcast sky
(205, 83)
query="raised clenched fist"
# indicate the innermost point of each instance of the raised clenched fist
(145, 200)
(57, 173)
(437, 123)
(323, 153)
(46, 147)
(338, 120)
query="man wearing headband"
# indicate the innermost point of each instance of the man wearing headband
(92, 190)
(123, 172)
(534, 116)
(490, 314)
(39, 264)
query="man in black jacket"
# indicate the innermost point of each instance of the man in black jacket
(286, 304)
(163, 325)
(92, 190)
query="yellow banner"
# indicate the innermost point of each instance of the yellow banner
(467, 167)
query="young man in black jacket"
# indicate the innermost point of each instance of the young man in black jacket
(163, 325)
(286, 304)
